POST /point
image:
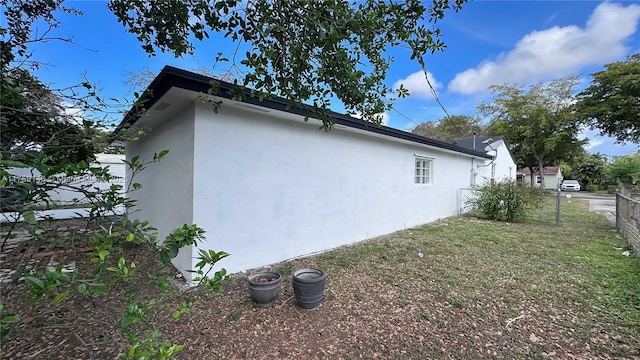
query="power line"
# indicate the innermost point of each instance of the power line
(405, 116)
(433, 93)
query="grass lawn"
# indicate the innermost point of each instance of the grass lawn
(462, 288)
(480, 289)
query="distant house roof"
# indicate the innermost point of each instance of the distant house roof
(548, 170)
(480, 143)
(469, 142)
(171, 77)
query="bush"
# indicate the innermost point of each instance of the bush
(626, 169)
(592, 188)
(505, 201)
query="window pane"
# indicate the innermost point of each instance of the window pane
(423, 171)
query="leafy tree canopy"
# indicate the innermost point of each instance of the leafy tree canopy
(535, 121)
(612, 102)
(451, 128)
(38, 124)
(626, 169)
(306, 51)
(35, 125)
(592, 169)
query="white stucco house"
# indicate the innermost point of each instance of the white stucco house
(267, 186)
(502, 165)
(552, 177)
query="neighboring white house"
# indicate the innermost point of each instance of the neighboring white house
(552, 177)
(64, 194)
(501, 166)
(267, 186)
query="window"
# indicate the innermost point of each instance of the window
(423, 171)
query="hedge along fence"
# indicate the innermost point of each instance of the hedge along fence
(628, 219)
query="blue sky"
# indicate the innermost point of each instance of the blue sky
(488, 42)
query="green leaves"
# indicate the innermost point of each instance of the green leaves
(306, 51)
(6, 322)
(209, 257)
(451, 128)
(160, 155)
(151, 348)
(612, 102)
(29, 216)
(179, 238)
(535, 121)
(41, 287)
(122, 271)
(504, 201)
(183, 309)
(627, 170)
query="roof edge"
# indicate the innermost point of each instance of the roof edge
(171, 77)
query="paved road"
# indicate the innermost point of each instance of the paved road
(586, 195)
(606, 207)
(601, 204)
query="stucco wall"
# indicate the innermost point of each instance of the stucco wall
(505, 168)
(268, 189)
(550, 180)
(166, 198)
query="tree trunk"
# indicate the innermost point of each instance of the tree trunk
(541, 171)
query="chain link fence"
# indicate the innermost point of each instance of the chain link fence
(464, 194)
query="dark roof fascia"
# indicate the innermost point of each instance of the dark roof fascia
(171, 77)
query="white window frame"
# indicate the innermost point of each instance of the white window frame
(420, 176)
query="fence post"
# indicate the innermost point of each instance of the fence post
(558, 207)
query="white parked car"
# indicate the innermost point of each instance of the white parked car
(573, 185)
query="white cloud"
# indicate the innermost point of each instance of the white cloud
(73, 113)
(418, 86)
(591, 136)
(385, 118)
(593, 143)
(557, 51)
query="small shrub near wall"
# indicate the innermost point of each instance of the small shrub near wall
(506, 200)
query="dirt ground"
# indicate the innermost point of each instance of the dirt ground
(396, 300)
